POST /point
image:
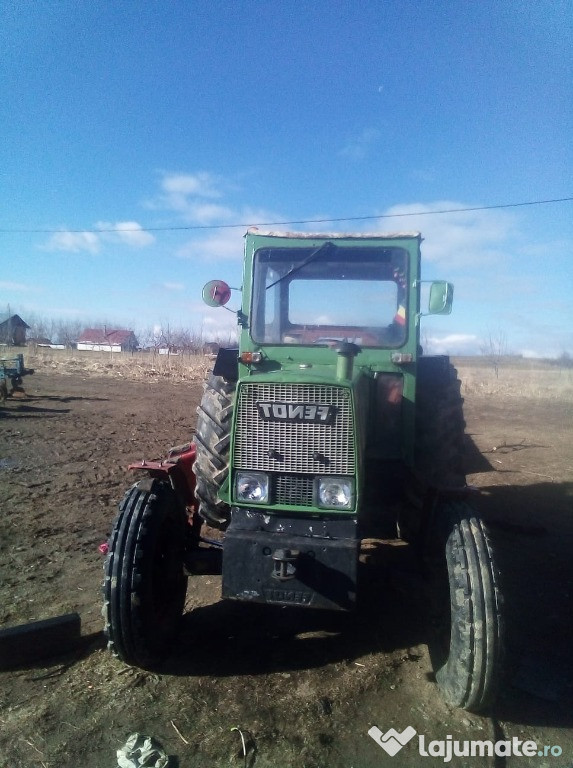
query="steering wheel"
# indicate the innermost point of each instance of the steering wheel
(328, 341)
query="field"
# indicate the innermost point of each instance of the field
(302, 691)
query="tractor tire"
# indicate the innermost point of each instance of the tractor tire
(438, 447)
(439, 435)
(466, 646)
(145, 583)
(212, 441)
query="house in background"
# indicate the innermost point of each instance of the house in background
(13, 331)
(102, 340)
(211, 348)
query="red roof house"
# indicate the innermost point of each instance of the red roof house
(104, 340)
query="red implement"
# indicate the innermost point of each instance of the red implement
(177, 468)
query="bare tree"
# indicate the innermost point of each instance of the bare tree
(67, 332)
(495, 348)
(39, 327)
(565, 360)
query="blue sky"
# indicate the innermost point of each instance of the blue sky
(139, 115)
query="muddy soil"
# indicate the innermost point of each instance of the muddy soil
(302, 689)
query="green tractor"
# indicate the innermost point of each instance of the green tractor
(326, 427)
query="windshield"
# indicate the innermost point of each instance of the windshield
(332, 293)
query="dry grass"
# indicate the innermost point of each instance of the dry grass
(139, 366)
(516, 377)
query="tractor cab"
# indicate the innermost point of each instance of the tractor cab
(317, 291)
(325, 372)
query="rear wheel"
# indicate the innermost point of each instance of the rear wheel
(145, 584)
(467, 643)
(212, 440)
(439, 444)
(439, 424)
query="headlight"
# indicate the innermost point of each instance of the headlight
(335, 492)
(252, 487)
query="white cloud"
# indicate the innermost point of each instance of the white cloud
(226, 244)
(186, 194)
(201, 184)
(222, 245)
(548, 249)
(452, 343)
(192, 196)
(6, 285)
(473, 238)
(173, 286)
(123, 232)
(73, 242)
(541, 353)
(129, 232)
(219, 325)
(256, 217)
(207, 213)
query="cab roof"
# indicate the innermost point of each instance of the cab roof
(337, 235)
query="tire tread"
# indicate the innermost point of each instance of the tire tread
(469, 676)
(147, 512)
(212, 441)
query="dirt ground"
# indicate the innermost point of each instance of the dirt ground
(304, 690)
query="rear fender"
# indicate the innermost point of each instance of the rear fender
(176, 468)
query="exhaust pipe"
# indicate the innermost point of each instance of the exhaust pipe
(345, 361)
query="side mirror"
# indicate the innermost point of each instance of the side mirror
(216, 293)
(441, 298)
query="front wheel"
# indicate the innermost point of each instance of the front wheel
(145, 584)
(467, 647)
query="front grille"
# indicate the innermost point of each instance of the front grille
(293, 489)
(294, 448)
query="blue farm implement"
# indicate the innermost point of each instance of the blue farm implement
(12, 370)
